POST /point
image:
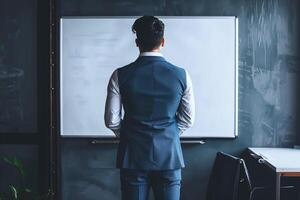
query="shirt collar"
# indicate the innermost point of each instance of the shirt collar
(151, 53)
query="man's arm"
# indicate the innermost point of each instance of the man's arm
(113, 105)
(186, 111)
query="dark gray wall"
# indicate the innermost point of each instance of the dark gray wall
(18, 90)
(268, 91)
(24, 93)
(18, 66)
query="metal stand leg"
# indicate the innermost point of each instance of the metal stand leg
(278, 176)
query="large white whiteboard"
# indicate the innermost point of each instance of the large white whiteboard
(92, 47)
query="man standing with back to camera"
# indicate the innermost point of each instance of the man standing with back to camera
(158, 106)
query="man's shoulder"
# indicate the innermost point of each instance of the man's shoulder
(179, 70)
(173, 66)
(125, 67)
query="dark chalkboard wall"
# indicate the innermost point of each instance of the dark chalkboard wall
(268, 91)
(24, 96)
(18, 66)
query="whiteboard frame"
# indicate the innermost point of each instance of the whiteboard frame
(182, 137)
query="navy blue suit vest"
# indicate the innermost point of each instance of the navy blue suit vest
(151, 90)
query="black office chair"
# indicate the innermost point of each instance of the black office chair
(253, 187)
(230, 180)
(224, 180)
(248, 191)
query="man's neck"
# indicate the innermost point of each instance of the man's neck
(153, 50)
(151, 53)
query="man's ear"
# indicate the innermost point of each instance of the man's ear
(136, 42)
(162, 42)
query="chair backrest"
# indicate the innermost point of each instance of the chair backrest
(225, 177)
(245, 174)
(245, 184)
(259, 174)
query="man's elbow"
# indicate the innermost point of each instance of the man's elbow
(107, 124)
(189, 124)
(185, 125)
(190, 121)
(111, 126)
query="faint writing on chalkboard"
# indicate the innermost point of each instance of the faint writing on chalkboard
(10, 101)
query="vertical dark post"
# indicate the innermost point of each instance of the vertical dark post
(43, 105)
(54, 143)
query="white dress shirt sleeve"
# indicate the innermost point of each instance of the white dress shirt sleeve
(186, 111)
(113, 105)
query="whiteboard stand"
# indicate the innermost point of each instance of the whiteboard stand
(116, 141)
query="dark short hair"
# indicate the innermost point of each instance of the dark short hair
(149, 32)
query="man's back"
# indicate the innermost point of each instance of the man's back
(151, 90)
(159, 104)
